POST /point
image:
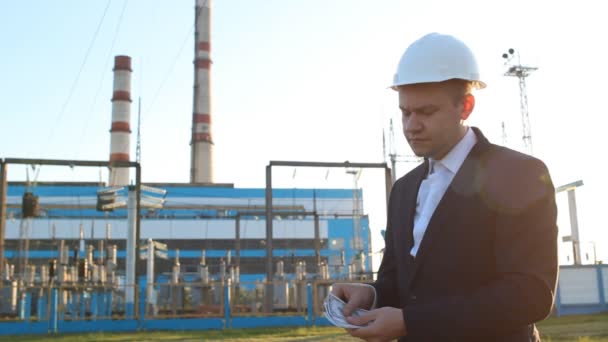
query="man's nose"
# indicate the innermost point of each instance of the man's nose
(412, 123)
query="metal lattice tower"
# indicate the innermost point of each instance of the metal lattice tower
(393, 155)
(357, 210)
(521, 72)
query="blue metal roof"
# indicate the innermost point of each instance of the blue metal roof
(183, 191)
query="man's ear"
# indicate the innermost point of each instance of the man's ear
(468, 104)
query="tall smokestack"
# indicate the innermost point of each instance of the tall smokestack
(121, 116)
(201, 162)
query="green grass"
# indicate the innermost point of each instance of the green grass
(579, 328)
(259, 334)
(583, 328)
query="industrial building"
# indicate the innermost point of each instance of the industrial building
(79, 234)
(199, 221)
(73, 252)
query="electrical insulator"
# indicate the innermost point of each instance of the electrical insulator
(52, 268)
(83, 270)
(29, 206)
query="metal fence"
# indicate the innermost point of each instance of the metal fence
(167, 300)
(66, 302)
(218, 305)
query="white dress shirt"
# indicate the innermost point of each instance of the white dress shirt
(433, 187)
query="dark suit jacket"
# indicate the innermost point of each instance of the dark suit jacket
(487, 266)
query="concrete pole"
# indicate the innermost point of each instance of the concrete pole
(137, 189)
(150, 273)
(576, 246)
(131, 246)
(3, 189)
(269, 289)
(237, 244)
(317, 243)
(3, 186)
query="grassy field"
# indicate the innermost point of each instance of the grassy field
(580, 328)
(584, 328)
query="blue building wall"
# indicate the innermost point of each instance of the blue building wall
(326, 201)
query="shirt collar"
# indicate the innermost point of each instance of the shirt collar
(454, 159)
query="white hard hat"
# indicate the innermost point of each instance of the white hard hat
(435, 58)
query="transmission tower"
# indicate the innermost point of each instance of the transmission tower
(392, 153)
(521, 72)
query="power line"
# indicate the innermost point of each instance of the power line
(75, 83)
(175, 59)
(103, 75)
(170, 71)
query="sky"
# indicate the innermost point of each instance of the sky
(298, 80)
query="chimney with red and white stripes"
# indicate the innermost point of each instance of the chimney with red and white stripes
(201, 162)
(120, 133)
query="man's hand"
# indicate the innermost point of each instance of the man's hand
(356, 296)
(387, 325)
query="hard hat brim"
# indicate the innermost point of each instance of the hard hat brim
(476, 84)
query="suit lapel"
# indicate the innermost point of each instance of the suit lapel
(454, 200)
(407, 211)
(404, 212)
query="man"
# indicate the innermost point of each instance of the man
(471, 239)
